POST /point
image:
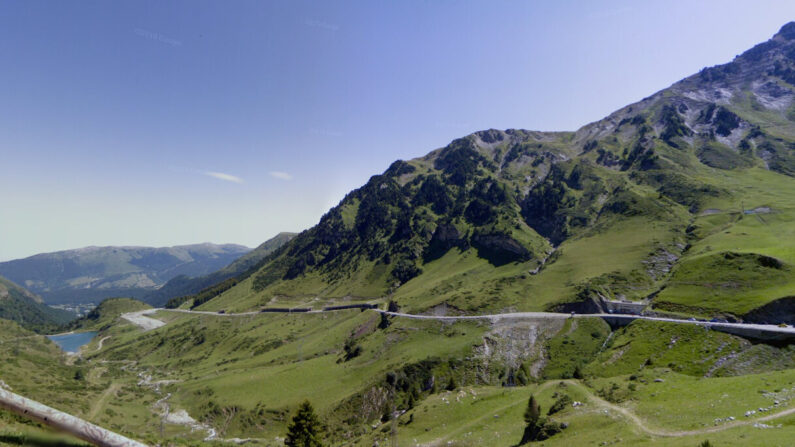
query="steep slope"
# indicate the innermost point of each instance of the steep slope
(184, 285)
(27, 309)
(641, 205)
(106, 313)
(93, 273)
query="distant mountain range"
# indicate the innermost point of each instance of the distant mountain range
(184, 285)
(27, 309)
(93, 273)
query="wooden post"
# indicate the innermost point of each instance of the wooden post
(64, 422)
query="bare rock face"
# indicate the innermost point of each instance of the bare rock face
(500, 249)
(445, 237)
(448, 235)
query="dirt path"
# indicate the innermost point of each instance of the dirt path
(99, 343)
(672, 433)
(103, 399)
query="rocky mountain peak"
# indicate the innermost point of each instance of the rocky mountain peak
(787, 32)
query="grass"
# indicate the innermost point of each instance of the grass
(106, 313)
(34, 367)
(477, 416)
(704, 281)
(35, 436)
(275, 361)
(574, 346)
(728, 282)
(687, 349)
(708, 399)
(245, 376)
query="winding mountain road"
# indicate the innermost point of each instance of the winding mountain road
(146, 322)
(759, 331)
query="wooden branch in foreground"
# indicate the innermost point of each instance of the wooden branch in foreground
(64, 422)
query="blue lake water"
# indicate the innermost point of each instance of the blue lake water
(72, 342)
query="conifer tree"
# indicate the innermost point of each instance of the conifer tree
(533, 421)
(305, 430)
(533, 411)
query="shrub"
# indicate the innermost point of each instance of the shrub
(560, 404)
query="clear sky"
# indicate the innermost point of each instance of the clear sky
(162, 123)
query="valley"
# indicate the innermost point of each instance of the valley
(629, 283)
(192, 383)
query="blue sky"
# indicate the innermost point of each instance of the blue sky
(163, 123)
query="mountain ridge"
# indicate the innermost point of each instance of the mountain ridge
(28, 309)
(93, 273)
(623, 204)
(183, 285)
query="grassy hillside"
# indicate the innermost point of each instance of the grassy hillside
(682, 200)
(106, 313)
(27, 309)
(106, 394)
(446, 381)
(184, 285)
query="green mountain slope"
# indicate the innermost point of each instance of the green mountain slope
(682, 200)
(184, 285)
(27, 309)
(659, 202)
(106, 313)
(93, 273)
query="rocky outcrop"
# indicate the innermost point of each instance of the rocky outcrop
(500, 249)
(587, 306)
(445, 237)
(779, 311)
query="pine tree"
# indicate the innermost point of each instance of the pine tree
(305, 430)
(532, 417)
(384, 323)
(533, 411)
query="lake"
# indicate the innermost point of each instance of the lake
(72, 342)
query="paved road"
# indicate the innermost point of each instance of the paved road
(765, 331)
(140, 318)
(768, 331)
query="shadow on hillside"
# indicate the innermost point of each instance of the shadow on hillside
(26, 440)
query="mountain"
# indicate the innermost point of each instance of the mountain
(106, 313)
(682, 201)
(93, 273)
(28, 309)
(184, 285)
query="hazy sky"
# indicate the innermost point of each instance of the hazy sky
(163, 123)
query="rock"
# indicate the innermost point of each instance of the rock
(500, 248)
(659, 380)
